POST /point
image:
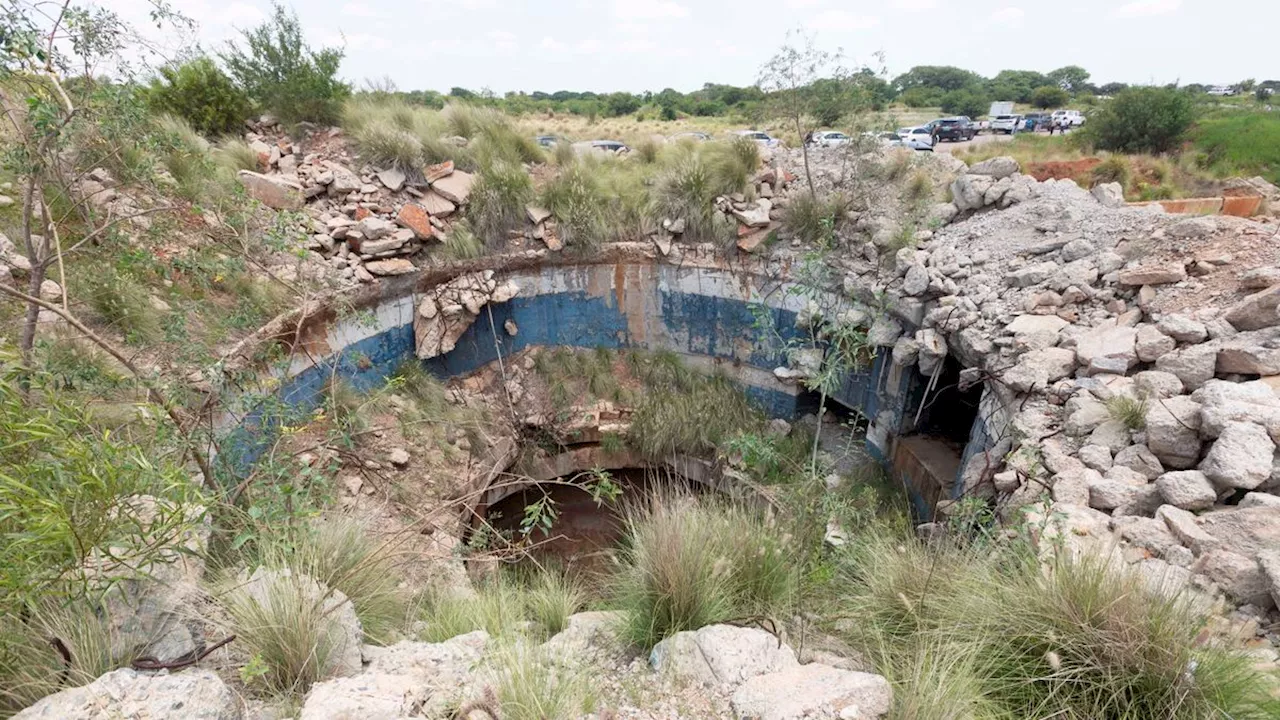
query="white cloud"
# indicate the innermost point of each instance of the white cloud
(1147, 8)
(802, 4)
(914, 4)
(324, 37)
(649, 9)
(503, 41)
(360, 10)
(843, 21)
(1008, 16)
(551, 44)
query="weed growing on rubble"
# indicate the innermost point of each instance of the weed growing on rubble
(996, 627)
(234, 154)
(31, 667)
(385, 145)
(551, 598)
(1128, 410)
(123, 303)
(577, 201)
(462, 243)
(341, 555)
(499, 606)
(812, 219)
(694, 414)
(499, 197)
(533, 685)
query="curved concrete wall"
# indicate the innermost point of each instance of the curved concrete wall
(731, 319)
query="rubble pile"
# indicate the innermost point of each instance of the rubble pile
(1131, 360)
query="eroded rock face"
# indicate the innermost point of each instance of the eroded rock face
(721, 655)
(193, 694)
(450, 309)
(813, 691)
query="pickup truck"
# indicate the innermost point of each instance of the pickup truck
(954, 129)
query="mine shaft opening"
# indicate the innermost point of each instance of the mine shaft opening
(576, 521)
(927, 462)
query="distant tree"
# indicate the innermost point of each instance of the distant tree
(964, 102)
(1049, 96)
(940, 77)
(1071, 78)
(1145, 119)
(1262, 94)
(461, 93)
(919, 97)
(277, 68)
(1111, 88)
(789, 79)
(1247, 86)
(1016, 85)
(668, 113)
(622, 103)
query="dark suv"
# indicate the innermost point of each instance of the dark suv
(954, 129)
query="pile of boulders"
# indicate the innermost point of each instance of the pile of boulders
(1150, 429)
(449, 309)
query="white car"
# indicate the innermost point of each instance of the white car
(760, 137)
(917, 138)
(1068, 118)
(829, 138)
(1007, 124)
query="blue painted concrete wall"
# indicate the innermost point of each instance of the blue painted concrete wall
(717, 327)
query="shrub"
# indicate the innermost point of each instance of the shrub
(124, 304)
(1049, 96)
(686, 191)
(498, 200)
(731, 164)
(963, 102)
(577, 201)
(462, 243)
(235, 154)
(279, 71)
(31, 667)
(531, 685)
(921, 186)
(200, 93)
(386, 145)
(646, 151)
(692, 414)
(501, 143)
(810, 218)
(1147, 119)
(689, 563)
(551, 598)
(284, 621)
(1114, 169)
(341, 555)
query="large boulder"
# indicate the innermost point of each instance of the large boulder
(996, 168)
(721, 655)
(1172, 428)
(454, 187)
(969, 192)
(1038, 368)
(813, 691)
(1240, 457)
(1187, 489)
(1194, 365)
(274, 191)
(1102, 344)
(1256, 311)
(194, 694)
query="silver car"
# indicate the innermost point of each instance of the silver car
(760, 137)
(917, 138)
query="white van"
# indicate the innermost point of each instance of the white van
(1068, 118)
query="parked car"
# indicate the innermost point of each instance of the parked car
(1068, 118)
(917, 138)
(829, 138)
(953, 128)
(1036, 121)
(606, 147)
(760, 137)
(691, 135)
(550, 141)
(1007, 124)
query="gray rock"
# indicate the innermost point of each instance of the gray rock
(1172, 429)
(1260, 278)
(1247, 531)
(1191, 228)
(1111, 434)
(1038, 368)
(273, 191)
(392, 179)
(1141, 460)
(884, 332)
(1187, 489)
(996, 168)
(1240, 457)
(1109, 194)
(1032, 274)
(1186, 527)
(917, 280)
(1077, 249)
(1269, 561)
(1240, 577)
(1183, 329)
(1194, 365)
(1151, 344)
(193, 694)
(968, 192)
(721, 655)
(813, 691)
(375, 228)
(1096, 457)
(1153, 275)
(1113, 343)
(1147, 533)
(1085, 414)
(1256, 311)
(1259, 500)
(455, 187)
(1157, 384)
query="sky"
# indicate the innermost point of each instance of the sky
(637, 45)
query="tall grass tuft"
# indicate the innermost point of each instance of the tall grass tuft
(340, 554)
(689, 563)
(686, 191)
(462, 243)
(286, 623)
(577, 201)
(235, 154)
(1113, 169)
(498, 200)
(551, 598)
(385, 145)
(531, 685)
(31, 667)
(693, 414)
(497, 607)
(810, 218)
(124, 304)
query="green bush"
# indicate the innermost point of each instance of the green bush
(811, 219)
(578, 203)
(1049, 96)
(200, 93)
(963, 102)
(501, 193)
(1146, 119)
(279, 71)
(1113, 169)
